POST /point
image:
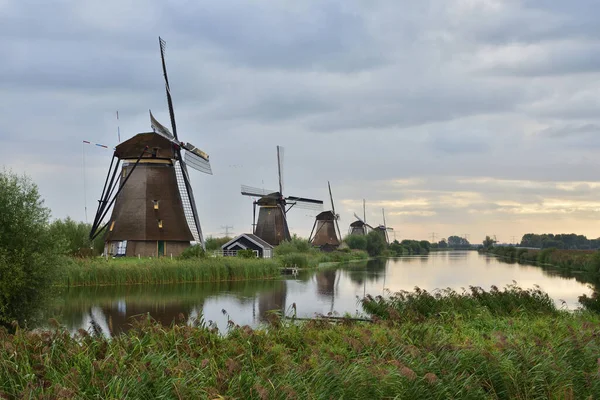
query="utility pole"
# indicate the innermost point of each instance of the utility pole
(226, 229)
(466, 236)
(513, 239)
(432, 235)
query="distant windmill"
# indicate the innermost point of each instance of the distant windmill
(360, 226)
(384, 229)
(327, 234)
(272, 224)
(154, 210)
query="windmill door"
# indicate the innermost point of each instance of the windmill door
(161, 248)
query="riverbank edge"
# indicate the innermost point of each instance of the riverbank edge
(573, 261)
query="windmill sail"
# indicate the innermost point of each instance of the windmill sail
(160, 128)
(336, 216)
(255, 192)
(189, 204)
(196, 159)
(280, 167)
(183, 180)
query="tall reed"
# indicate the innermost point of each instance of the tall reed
(82, 272)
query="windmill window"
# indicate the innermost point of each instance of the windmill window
(160, 223)
(155, 204)
(112, 225)
(122, 248)
(154, 152)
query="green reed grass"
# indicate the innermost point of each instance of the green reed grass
(474, 302)
(83, 272)
(543, 354)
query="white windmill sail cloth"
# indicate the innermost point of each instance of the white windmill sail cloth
(160, 128)
(187, 207)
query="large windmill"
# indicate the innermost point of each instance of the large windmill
(273, 206)
(360, 226)
(154, 211)
(327, 234)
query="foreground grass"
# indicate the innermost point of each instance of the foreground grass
(84, 272)
(441, 346)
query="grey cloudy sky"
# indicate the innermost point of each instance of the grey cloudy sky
(456, 116)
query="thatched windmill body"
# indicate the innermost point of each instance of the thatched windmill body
(326, 231)
(154, 211)
(273, 206)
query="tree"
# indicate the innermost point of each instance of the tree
(356, 242)
(76, 237)
(442, 244)
(212, 243)
(375, 244)
(457, 242)
(488, 242)
(28, 259)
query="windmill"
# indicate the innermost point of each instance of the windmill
(272, 224)
(326, 223)
(384, 229)
(154, 209)
(360, 226)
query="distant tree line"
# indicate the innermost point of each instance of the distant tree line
(375, 245)
(569, 241)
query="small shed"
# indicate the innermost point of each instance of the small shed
(248, 241)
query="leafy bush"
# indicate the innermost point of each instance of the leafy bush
(195, 251)
(296, 245)
(356, 242)
(212, 243)
(28, 260)
(75, 237)
(246, 253)
(376, 244)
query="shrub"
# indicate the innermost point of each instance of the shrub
(195, 251)
(375, 244)
(296, 245)
(75, 236)
(246, 253)
(212, 243)
(356, 242)
(28, 259)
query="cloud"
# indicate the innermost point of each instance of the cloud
(463, 116)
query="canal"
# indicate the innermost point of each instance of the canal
(336, 291)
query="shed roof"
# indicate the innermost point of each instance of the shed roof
(251, 237)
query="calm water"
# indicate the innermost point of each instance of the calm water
(322, 292)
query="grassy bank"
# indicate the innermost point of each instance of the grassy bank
(127, 271)
(527, 350)
(568, 260)
(124, 271)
